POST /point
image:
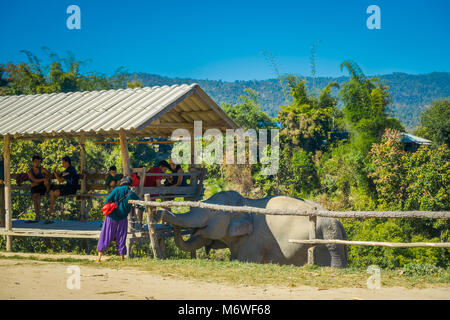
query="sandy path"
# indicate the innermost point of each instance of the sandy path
(27, 279)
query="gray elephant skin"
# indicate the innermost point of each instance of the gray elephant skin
(259, 238)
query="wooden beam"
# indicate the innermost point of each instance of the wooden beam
(125, 153)
(203, 96)
(140, 142)
(187, 125)
(46, 233)
(142, 172)
(7, 181)
(83, 211)
(294, 212)
(148, 122)
(373, 243)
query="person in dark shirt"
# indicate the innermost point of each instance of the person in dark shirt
(116, 223)
(70, 176)
(39, 178)
(176, 181)
(112, 179)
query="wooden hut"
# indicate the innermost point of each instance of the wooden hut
(124, 113)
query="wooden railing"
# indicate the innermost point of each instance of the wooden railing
(312, 215)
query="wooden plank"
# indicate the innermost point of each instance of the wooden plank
(169, 190)
(124, 153)
(96, 176)
(188, 174)
(373, 243)
(293, 212)
(7, 182)
(51, 234)
(95, 186)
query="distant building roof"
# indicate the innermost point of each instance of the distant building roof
(409, 138)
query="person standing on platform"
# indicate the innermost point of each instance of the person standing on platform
(116, 223)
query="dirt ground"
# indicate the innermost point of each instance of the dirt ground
(29, 279)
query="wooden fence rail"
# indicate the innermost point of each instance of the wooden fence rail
(288, 212)
(313, 214)
(372, 243)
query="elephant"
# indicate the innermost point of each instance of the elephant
(258, 238)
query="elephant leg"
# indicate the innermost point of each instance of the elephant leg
(250, 252)
(336, 253)
(338, 259)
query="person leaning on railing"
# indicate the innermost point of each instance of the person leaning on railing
(176, 181)
(113, 178)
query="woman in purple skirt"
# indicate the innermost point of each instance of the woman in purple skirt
(116, 223)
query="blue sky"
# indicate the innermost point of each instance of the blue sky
(224, 39)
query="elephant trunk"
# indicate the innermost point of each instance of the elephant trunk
(186, 220)
(195, 242)
(338, 252)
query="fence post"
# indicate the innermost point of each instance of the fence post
(312, 235)
(83, 212)
(130, 235)
(7, 182)
(151, 230)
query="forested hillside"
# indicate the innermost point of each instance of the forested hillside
(411, 94)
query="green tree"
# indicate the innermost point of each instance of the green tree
(307, 122)
(248, 113)
(365, 101)
(435, 122)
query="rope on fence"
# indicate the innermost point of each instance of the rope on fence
(290, 212)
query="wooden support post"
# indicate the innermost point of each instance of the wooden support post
(129, 240)
(7, 181)
(192, 149)
(142, 172)
(137, 210)
(154, 241)
(83, 212)
(312, 235)
(124, 152)
(192, 168)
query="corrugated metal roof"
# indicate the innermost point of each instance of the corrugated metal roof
(148, 110)
(409, 138)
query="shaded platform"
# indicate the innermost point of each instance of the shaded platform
(76, 229)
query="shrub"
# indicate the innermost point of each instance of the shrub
(419, 269)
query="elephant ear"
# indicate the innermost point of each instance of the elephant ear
(240, 225)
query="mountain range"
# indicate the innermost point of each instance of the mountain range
(411, 94)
